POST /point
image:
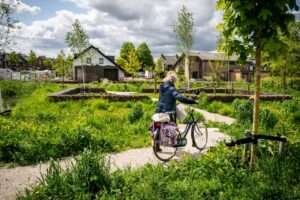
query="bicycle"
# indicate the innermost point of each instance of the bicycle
(165, 152)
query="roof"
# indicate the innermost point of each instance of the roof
(169, 60)
(216, 56)
(107, 57)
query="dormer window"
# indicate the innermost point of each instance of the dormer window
(101, 60)
(88, 60)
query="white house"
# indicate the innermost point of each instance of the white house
(96, 66)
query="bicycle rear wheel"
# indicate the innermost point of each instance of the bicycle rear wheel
(199, 135)
(161, 151)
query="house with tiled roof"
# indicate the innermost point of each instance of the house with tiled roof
(94, 65)
(201, 64)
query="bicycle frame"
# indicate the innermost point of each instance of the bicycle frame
(190, 123)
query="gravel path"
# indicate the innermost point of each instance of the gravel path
(210, 116)
(15, 180)
(213, 116)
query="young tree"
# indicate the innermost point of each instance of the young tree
(32, 61)
(217, 67)
(145, 57)
(184, 29)
(127, 47)
(250, 27)
(48, 63)
(159, 67)
(7, 23)
(63, 64)
(13, 58)
(287, 63)
(78, 40)
(132, 65)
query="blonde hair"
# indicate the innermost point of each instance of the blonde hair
(171, 77)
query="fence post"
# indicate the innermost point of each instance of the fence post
(246, 145)
(281, 146)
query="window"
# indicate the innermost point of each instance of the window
(88, 60)
(195, 75)
(101, 61)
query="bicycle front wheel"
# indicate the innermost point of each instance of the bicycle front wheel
(199, 135)
(163, 152)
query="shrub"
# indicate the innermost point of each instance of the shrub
(243, 110)
(136, 113)
(226, 110)
(203, 103)
(296, 117)
(214, 107)
(87, 179)
(292, 105)
(267, 119)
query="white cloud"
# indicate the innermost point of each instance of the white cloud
(22, 7)
(110, 23)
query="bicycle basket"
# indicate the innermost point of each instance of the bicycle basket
(180, 113)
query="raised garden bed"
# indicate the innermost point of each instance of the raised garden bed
(230, 98)
(211, 90)
(75, 94)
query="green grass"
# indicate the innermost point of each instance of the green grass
(220, 174)
(39, 129)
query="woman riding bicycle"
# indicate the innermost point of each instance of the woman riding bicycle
(168, 95)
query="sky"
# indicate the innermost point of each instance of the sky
(109, 23)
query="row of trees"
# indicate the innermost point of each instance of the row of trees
(62, 64)
(14, 59)
(132, 60)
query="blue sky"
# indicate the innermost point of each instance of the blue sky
(48, 9)
(109, 23)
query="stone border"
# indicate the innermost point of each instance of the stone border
(70, 94)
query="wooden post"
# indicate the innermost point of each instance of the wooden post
(281, 147)
(248, 88)
(231, 87)
(246, 146)
(155, 83)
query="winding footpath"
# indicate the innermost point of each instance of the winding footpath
(15, 180)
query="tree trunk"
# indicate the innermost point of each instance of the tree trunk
(284, 83)
(83, 78)
(186, 69)
(155, 82)
(256, 100)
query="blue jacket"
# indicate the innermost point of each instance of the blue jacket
(168, 96)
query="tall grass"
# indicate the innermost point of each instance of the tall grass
(220, 174)
(39, 129)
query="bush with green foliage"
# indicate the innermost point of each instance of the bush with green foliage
(296, 117)
(243, 110)
(267, 118)
(136, 113)
(203, 100)
(85, 180)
